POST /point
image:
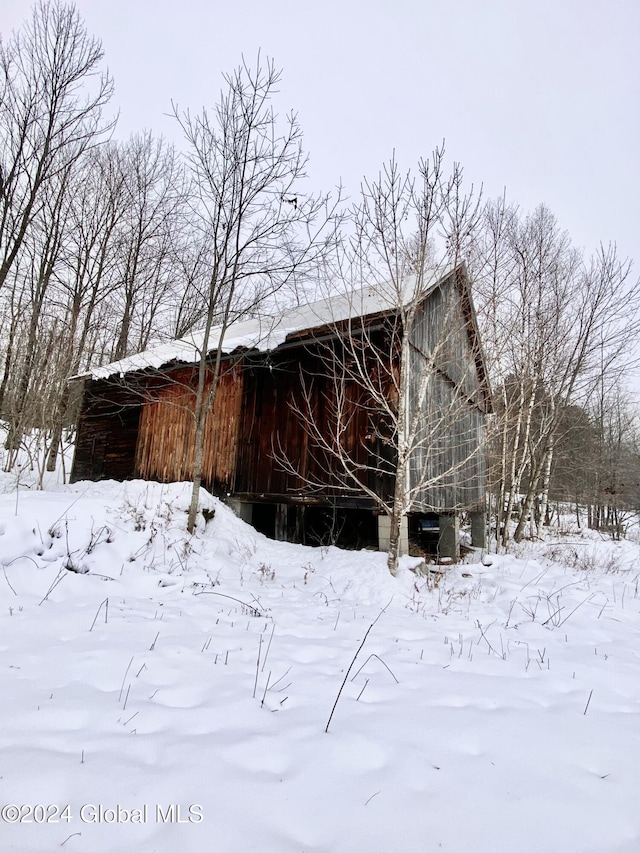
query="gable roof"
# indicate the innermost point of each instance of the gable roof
(269, 331)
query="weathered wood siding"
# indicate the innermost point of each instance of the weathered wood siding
(270, 430)
(277, 456)
(258, 445)
(165, 449)
(107, 432)
(447, 465)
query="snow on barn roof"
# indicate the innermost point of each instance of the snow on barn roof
(267, 332)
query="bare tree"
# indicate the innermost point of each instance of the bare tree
(87, 275)
(52, 94)
(492, 263)
(400, 417)
(614, 482)
(558, 322)
(147, 236)
(94, 267)
(51, 98)
(40, 256)
(254, 230)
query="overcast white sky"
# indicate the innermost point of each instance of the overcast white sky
(542, 97)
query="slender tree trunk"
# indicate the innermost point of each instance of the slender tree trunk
(196, 479)
(58, 425)
(204, 402)
(546, 479)
(399, 507)
(8, 360)
(501, 521)
(198, 438)
(534, 484)
(16, 424)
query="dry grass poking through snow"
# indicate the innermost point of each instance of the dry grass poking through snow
(494, 710)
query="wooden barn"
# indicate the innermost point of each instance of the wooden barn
(302, 437)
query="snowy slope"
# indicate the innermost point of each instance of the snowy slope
(141, 669)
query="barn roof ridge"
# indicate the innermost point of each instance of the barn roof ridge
(265, 333)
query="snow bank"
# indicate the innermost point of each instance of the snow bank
(174, 691)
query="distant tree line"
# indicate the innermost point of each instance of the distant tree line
(560, 331)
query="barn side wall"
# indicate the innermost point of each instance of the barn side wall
(447, 469)
(277, 453)
(107, 432)
(257, 442)
(166, 442)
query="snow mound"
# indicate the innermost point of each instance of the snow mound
(170, 692)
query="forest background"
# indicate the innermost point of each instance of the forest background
(105, 250)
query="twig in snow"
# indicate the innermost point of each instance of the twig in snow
(124, 678)
(255, 683)
(555, 617)
(266, 687)
(587, 705)
(7, 579)
(21, 557)
(61, 574)
(106, 613)
(252, 609)
(483, 636)
(374, 655)
(535, 579)
(52, 526)
(366, 681)
(575, 608)
(282, 677)
(266, 655)
(353, 660)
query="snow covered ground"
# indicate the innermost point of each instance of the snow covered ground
(167, 693)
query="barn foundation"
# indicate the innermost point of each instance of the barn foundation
(384, 534)
(242, 509)
(478, 529)
(449, 538)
